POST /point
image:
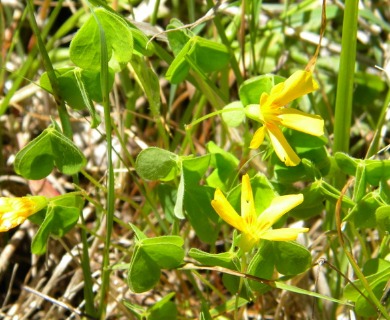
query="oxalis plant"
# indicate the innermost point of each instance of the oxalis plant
(241, 213)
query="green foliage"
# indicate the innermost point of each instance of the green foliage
(70, 88)
(250, 91)
(224, 259)
(375, 170)
(150, 256)
(161, 310)
(206, 55)
(307, 147)
(51, 148)
(377, 273)
(157, 164)
(217, 69)
(119, 40)
(291, 258)
(62, 214)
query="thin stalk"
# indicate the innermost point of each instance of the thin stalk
(67, 130)
(244, 266)
(374, 146)
(110, 173)
(153, 18)
(343, 112)
(191, 10)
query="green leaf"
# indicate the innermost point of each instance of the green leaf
(197, 204)
(228, 306)
(262, 265)
(178, 210)
(165, 255)
(224, 259)
(138, 233)
(179, 68)
(376, 170)
(85, 49)
(307, 147)
(313, 203)
(251, 90)
(383, 218)
(70, 90)
(207, 55)
(195, 199)
(167, 195)
(291, 258)
(173, 240)
(163, 309)
(236, 116)
(363, 214)
(377, 272)
(195, 168)
(148, 81)
(143, 273)
(151, 255)
(58, 221)
(157, 164)
(51, 148)
(177, 39)
(346, 163)
(205, 313)
(225, 165)
(284, 286)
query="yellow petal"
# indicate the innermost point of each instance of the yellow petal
(14, 211)
(226, 211)
(283, 234)
(281, 146)
(248, 212)
(278, 207)
(301, 121)
(258, 138)
(297, 85)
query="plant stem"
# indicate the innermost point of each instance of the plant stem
(153, 17)
(110, 174)
(343, 112)
(68, 132)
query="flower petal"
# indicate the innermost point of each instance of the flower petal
(297, 85)
(226, 211)
(281, 146)
(258, 138)
(283, 234)
(248, 212)
(14, 211)
(278, 207)
(301, 121)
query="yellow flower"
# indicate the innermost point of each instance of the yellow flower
(273, 113)
(253, 226)
(13, 211)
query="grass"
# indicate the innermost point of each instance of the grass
(87, 272)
